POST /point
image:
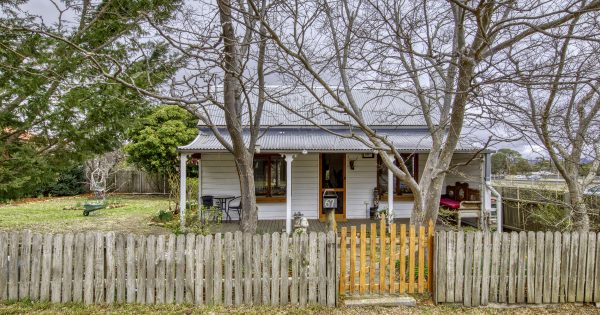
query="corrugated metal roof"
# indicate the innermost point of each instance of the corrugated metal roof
(318, 140)
(379, 108)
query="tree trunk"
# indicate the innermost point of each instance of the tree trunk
(232, 109)
(570, 173)
(427, 207)
(581, 219)
(417, 216)
(440, 156)
(432, 199)
(579, 210)
(248, 196)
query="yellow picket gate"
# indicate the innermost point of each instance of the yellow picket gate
(388, 263)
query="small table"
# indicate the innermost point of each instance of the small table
(223, 201)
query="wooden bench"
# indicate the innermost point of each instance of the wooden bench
(470, 201)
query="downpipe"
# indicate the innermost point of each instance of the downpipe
(498, 205)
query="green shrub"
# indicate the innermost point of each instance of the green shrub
(193, 224)
(164, 216)
(548, 217)
(212, 216)
(69, 183)
(174, 227)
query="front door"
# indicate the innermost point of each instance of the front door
(332, 177)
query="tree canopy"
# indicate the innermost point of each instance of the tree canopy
(155, 138)
(56, 110)
(509, 162)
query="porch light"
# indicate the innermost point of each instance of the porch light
(257, 149)
(304, 152)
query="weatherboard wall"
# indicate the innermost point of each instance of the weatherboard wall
(219, 177)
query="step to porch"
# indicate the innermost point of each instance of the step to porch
(387, 301)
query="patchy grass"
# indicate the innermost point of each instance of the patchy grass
(49, 215)
(422, 308)
(76, 308)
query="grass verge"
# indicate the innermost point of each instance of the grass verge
(423, 307)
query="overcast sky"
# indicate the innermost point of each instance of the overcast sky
(43, 8)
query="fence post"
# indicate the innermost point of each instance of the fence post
(421, 274)
(363, 258)
(352, 275)
(411, 259)
(322, 273)
(239, 254)
(451, 256)
(459, 266)
(36, 269)
(25, 262)
(485, 280)
(331, 273)
(343, 261)
(99, 269)
(382, 242)
(477, 251)
(285, 260)
(440, 267)
(373, 239)
(392, 255)
(303, 269)
(430, 255)
(402, 285)
(110, 283)
(275, 268)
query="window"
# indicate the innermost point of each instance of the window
(400, 188)
(269, 175)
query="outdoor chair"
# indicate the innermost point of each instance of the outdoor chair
(207, 201)
(236, 205)
(466, 202)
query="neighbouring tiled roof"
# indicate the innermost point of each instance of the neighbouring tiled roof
(318, 140)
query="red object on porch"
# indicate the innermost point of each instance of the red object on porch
(450, 203)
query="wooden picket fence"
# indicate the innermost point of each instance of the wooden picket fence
(478, 268)
(230, 269)
(388, 264)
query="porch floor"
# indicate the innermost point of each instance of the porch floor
(314, 225)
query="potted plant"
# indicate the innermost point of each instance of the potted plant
(381, 213)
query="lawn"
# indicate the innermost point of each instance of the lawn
(60, 215)
(421, 308)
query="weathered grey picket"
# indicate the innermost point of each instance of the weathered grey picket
(515, 268)
(230, 269)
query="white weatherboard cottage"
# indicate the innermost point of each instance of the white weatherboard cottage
(296, 162)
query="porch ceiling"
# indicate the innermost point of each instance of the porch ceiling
(317, 140)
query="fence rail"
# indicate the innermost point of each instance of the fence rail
(478, 268)
(387, 263)
(230, 269)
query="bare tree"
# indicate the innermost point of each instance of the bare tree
(220, 51)
(552, 101)
(440, 53)
(99, 169)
